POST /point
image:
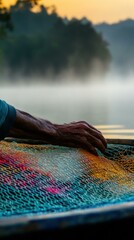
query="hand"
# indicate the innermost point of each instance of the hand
(82, 135)
(75, 134)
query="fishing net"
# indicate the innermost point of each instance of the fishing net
(38, 178)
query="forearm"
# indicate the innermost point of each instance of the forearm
(30, 127)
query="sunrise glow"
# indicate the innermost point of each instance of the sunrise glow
(95, 10)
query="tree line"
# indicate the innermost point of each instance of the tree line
(42, 43)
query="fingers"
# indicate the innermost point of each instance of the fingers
(86, 142)
(99, 136)
(99, 140)
(87, 145)
(80, 142)
(97, 143)
(81, 134)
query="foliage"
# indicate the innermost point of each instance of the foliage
(5, 21)
(120, 36)
(44, 43)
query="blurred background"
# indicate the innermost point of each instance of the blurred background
(69, 61)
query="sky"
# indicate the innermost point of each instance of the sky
(97, 11)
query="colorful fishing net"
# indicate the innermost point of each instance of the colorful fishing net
(44, 178)
(47, 179)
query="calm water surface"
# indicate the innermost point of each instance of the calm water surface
(108, 106)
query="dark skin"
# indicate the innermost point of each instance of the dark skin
(75, 134)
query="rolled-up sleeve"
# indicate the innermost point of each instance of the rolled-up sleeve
(7, 118)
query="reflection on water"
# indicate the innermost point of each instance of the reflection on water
(109, 107)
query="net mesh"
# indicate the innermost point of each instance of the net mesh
(46, 179)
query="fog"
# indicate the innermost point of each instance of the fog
(106, 103)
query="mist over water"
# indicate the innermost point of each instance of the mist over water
(106, 103)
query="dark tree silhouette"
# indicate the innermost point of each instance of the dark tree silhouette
(5, 21)
(26, 4)
(43, 43)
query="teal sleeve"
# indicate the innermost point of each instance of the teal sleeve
(7, 118)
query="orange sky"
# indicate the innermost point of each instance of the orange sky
(95, 10)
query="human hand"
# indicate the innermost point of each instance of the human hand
(75, 134)
(82, 135)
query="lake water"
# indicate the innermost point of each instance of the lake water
(109, 106)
